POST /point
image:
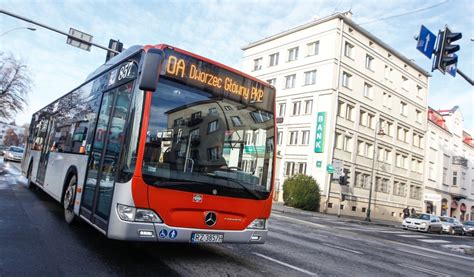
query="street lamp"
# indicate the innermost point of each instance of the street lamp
(377, 131)
(18, 28)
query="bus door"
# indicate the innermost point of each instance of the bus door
(104, 155)
(44, 155)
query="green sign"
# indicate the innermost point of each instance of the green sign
(254, 149)
(320, 126)
(330, 168)
(319, 163)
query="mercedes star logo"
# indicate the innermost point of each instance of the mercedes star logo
(210, 219)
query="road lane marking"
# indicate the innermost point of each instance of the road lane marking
(392, 232)
(434, 240)
(417, 253)
(425, 270)
(342, 248)
(433, 251)
(299, 220)
(285, 264)
(413, 236)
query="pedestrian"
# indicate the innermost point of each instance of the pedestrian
(406, 213)
(413, 212)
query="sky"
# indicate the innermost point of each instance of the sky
(217, 29)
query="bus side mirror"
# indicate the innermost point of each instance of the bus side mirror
(150, 70)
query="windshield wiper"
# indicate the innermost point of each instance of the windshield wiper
(251, 192)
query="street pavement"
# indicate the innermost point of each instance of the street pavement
(34, 240)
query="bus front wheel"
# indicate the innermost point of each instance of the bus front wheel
(69, 197)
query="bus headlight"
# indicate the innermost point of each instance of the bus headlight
(128, 213)
(258, 223)
(143, 215)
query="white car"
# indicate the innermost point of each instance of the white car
(13, 153)
(423, 222)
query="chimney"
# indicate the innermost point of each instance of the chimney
(347, 14)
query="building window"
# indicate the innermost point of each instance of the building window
(279, 138)
(293, 54)
(349, 112)
(296, 108)
(343, 142)
(305, 137)
(293, 138)
(346, 80)
(348, 50)
(301, 168)
(415, 192)
(236, 120)
(368, 92)
(313, 48)
(257, 64)
(419, 91)
(404, 83)
(387, 72)
(362, 180)
(455, 178)
(419, 116)
(310, 77)
(290, 81)
(341, 109)
(387, 100)
(445, 176)
(213, 154)
(308, 106)
(289, 167)
(365, 149)
(403, 108)
(382, 184)
(399, 188)
(281, 109)
(274, 59)
(213, 111)
(271, 82)
(212, 126)
(369, 61)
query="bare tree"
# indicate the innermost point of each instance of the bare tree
(11, 138)
(15, 84)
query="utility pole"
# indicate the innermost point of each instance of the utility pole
(79, 39)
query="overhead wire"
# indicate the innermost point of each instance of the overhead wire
(403, 14)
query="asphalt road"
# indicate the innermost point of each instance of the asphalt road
(34, 240)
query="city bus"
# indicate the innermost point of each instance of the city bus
(162, 145)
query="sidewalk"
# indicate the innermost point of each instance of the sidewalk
(279, 207)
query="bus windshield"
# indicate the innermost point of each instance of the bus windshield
(199, 143)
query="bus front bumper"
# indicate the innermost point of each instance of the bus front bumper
(161, 232)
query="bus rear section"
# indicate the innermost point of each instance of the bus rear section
(203, 168)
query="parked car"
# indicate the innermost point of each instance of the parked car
(451, 226)
(13, 153)
(423, 222)
(469, 228)
(3, 148)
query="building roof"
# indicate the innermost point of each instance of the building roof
(350, 23)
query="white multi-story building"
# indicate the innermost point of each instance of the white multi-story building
(449, 186)
(20, 131)
(338, 87)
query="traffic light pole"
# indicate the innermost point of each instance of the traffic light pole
(56, 30)
(469, 80)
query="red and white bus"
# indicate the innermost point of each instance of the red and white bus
(160, 144)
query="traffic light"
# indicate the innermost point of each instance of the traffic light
(445, 54)
(114, 45)
(343, 180)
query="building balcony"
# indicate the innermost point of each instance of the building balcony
(457, 192)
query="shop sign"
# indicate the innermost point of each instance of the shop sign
(432, 197)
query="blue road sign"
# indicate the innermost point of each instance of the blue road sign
(163, 233)
(451, 70)
(173, 234)
(426, 42)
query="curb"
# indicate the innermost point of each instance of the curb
(290, 210)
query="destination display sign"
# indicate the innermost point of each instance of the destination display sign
(217, 80)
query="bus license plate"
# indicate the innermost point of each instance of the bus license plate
(213, 238)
